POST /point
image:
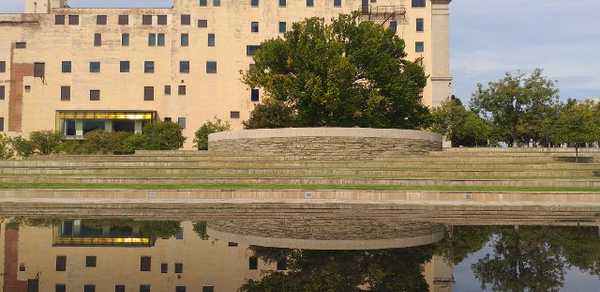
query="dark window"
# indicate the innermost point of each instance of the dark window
(101, 19)
(186, 19)
(419, 3)
(94, 94)
(253, 263)
(2, 66)
(234, 115)
(164, 267)
(124, 66)
(59, 19)
(211, 67)
(161, 20)
(66, 66)
(254, 26)
(216, 3)
(167, 89)
(254, 3)
(95, 67)
(168, 119)
(282, 26)
(179, 234)
(125, 39)
(282, 264)
(97, 39)
(182, 122)
(251, 50)
(310, 3)
(231, 243)
(149, 67)
(89, 288)
(123, 19)
(152, 39)
(90, 261)
(393, 26)
(254, 94)
(144, 288)
(282, 3)
(73, 19)
(182, 90)
(180, 289)
(1, 124)
(208, 289)
(65, 93)
(203, 3)
(120, 288)
(145, 263)
(61, 263)
(419, 47)
(147, 19)
(420, 25)
(160, 40)
(2, 92)
(179, 266)
(20, 45)
(185, 39)
(60, 288)
(148, 93)
(337, 3)
(39, 70)
(202, 23)
(184, 67)
(211, 40)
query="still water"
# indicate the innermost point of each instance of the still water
(275, 254)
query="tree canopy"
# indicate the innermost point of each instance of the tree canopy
(461, 126)
(344, 73)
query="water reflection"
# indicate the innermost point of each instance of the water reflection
(278, 254)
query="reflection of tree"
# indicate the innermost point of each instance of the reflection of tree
(462, 241)
(378, 270)
(524, 259)
(580, 246)
(200, 228)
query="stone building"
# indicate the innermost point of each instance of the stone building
(79, 69)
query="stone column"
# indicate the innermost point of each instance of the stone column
(138, 127)
(79, 128)
(440, 51)
(108, 126)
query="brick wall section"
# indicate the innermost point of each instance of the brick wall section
(15, 100)
(11, 262)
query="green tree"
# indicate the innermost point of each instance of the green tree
(461, 126)
(162, 136)
(347, 73)
(575, 125)
(23, 147)
(209, 127)
(6, 149)
(517, 105)
(271, 114)
(45, 142)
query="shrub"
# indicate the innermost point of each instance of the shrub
(45, 142)
(132, 143)
(6, 150)
(101, 142)
(271, 114)
(22, 146)
(162, 136)
(71, 147)
(201, 136)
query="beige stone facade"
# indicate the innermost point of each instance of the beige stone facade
(210, 42)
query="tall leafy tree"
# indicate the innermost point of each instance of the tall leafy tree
(344, 73)
(461, 126)
(575, 125)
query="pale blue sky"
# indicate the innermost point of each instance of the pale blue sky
(490, 37)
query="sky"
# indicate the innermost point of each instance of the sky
(492, 37)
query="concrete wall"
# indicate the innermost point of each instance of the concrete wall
(323, 143)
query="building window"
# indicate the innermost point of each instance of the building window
(152, 40)
(393, 26)
(179, 288)
(216, 3)
(164, 267)
(39, 70)
(60, 288)
(120, 288)
(254, 26)
(73, 19)
(184, 67)
(59, 19)
(89, 288)
(97, 40)
(61, 263)
(124, 66)
(251, 50)
(253, 263)
(167, 89)
(420, 25)
(1, 124)
(282, 3)
(185, 39)
(179, 266)
(20, 45)
(123, 19)
(65, 93)
(125, 40)
(310, 3)
(2, 92)
(181, 90)
(147, 19)
(144, 288)
(101, 19)
(337, 3)
(66, 67)
(186, 19)
(234, 115)
(282, 264)
(208, 289)
(282, 27)
(419, 3)
(94, 67)
(254, 94)
(160, 39)
(94, 94)
(145, 264)
(161, 20)
(202, 23)
(2, 66)
(211, 67)
(148, 93)
(419, 47)
(211, 40)
(254, 3)
(148, 66)
(90, 261)
(203, 3)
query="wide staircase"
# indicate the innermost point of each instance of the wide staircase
(468, 168)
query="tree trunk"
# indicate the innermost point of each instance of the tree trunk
(576, 153)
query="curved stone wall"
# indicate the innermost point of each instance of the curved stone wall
(322, 143)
